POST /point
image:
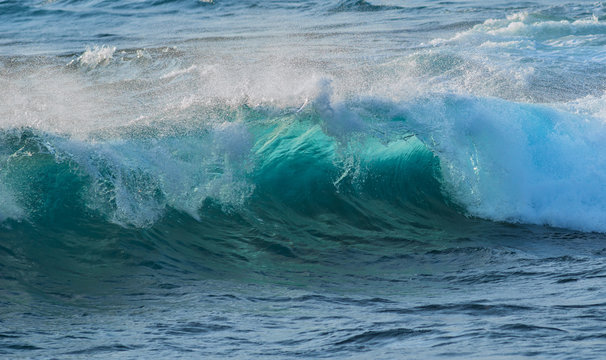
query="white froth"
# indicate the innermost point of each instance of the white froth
(134, 182)
(523, 26)
(521, 163)
(588, 106)
(338, 121)
(97, 55)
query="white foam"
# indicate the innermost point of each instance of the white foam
(522, 26)
(588, 106)
(524, 57)
(175, 73)
(95, 56)
(133, 182)
(338, 121)
(516, 162)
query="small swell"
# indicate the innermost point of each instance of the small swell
(360, 5)
(374, 337)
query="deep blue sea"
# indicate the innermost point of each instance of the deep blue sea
(324, 179)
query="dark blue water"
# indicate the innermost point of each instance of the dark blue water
(302, 179)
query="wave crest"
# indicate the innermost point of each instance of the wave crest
(437, 155)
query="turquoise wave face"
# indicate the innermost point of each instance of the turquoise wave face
(237, 197)
(222, 151)
(215, 199)
(436, 156)
(296, 160)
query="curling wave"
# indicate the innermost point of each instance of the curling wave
(370, 158)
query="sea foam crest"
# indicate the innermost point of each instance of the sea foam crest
(523, 57)
(133, 181)
(95, 56)
(517, 162)
(526, 30)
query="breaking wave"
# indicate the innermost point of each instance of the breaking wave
(479, 157)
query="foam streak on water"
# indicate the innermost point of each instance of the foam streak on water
(352, 179)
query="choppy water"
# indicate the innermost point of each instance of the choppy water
(302, 179)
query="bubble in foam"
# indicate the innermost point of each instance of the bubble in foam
(590, 105)
(95, 56)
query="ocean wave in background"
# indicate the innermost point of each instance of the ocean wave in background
(351, 178)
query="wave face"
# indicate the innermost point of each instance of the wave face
(231, 195)
(350, 179)
(319, 158)
(450, 154)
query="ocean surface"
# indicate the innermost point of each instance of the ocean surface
(331, 179)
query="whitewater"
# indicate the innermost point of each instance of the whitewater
(302, 179)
